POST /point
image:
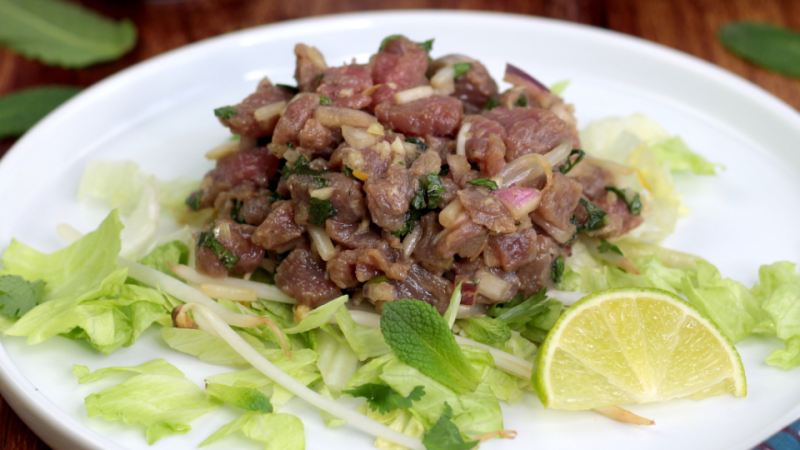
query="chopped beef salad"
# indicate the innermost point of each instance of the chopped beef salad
(403, 178)
(402, 231)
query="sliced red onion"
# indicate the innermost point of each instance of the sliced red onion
(519, 201)
(518, 77)
(468, 293)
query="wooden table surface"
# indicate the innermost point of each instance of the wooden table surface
(687, 25)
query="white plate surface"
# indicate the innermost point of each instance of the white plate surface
(159, 114)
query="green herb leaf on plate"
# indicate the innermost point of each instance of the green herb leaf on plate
(18, 296)
(445, 435)
(383, 398)
(420, 337)
(461, 68)
(606, 247)
(766, 45)
(21, 110)
(63, 33)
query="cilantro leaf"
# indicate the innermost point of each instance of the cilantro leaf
(226, 112)
(569, 164)
(321, 210)
(246, 398)
(383, 398)
(418, 142)
(606, 247)
(444, 435)
(18, 296)
(634, 206)
(420, 337)
(557, 269)
(462, 68)
(485, 182)
(490, 104)
(207, 240)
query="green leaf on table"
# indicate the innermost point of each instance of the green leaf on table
(18, 296)
(61, 33)
(445, 435)
(383, 398)
(770, 46)
(21, 110)
(420, 337)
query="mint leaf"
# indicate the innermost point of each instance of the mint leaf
(485, 330)
(321, 210)
(634, 205)
(18, 296)
(461, 68)
(63, 33)
(569, 164)
(445, 435)
(770, 46)
(383, 398)
(21, 110)
(420, 337)
(606, 247)
(241, 397)
(207, 240)
(485, 182)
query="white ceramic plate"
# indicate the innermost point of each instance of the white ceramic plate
(159, 114)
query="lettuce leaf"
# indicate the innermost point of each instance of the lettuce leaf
(164, 404)
(337, 361)
(175, 252)
(318, 317)
(154, 367)
(779, 294)
(367, 342)
(279, 431)
(679, 156)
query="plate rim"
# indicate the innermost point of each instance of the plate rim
(60, 429)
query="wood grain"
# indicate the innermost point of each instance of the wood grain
(690, 26)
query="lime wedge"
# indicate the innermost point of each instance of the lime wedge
(634, 345)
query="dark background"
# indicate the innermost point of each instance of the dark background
(687, 25)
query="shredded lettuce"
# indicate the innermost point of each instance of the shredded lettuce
(154, 367)
(337, 361)
(365, 341)
(278, 431)
(318, 317)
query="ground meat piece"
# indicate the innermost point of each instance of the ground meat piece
(258, 164)
(303, 277)
(389, 197)
(484, 209)
(593, 179)
(459, 166)
(342, 269)
(425, 251)
(433, 115)
(347, 198)
(310, 65)
(514, 250)
(529, 130)
(250, 204)
(619, 219)
(400, 65)
(559, 202)
(244, 122)
(345, 85)
(300, 187)
(473, 88)
(347, 234)
(425, 286)
(367, 160)
(450, 193)
(442, 145)
(385, 259)
(294, 119)
(428, 162)
(486, 146)
(466, 240)
(537, 274)
(279, 228)
(239, 242)
(256, 209)
(313, 136)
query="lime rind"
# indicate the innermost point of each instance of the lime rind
(544, 359)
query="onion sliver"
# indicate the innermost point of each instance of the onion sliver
(263, 291)
(337, 116)
(527, 167)
(444, 80)
(270, 112)
(286, 381)
(413, 94)
(519, 201)
(223, 150)
(231, 293)
(452, 214)
(322, 242)
(493, 287)
(461, 140)
(359, 138)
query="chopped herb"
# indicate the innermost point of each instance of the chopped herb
(320, 77)
(427, 45)
(324, 100)
(290, 145)
(237, 207)
(461, 68)
(491, 104)
(226, 112)
(412, 215)
(445, 171)
(380, 279)
(234, 137)
(418, 201)
(557, 269)
(428, 196)
(294, 88)
(445, 435)
(262, 276)
(485, 182)
(383, 398)
(18, 296)
(388, 39)
(321, 210)
(634, 206)
(606, 247)
(300, 167)
(207, 240)
(597, 217)
(193, 200)
(348, 172)
(522, 101)
(390, 132)
(275, 197)
(433, 189)
(320, 182)
(418, 142)
(569, 164)
(520, 309)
